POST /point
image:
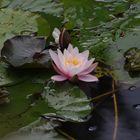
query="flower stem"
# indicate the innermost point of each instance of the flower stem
(103, 95)
(116, 112)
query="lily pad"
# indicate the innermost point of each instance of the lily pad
(120, 47)
(26, 50)
(9, 76)
(69, 102)
(40, 129)
(45, 6)
(12, 23)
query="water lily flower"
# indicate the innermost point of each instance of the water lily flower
(56, 34)
(62, 38)
(71, 63)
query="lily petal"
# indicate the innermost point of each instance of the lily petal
(75, 51)
(56, 34)
(88, 63)
(85, 66)
(89, 69)
(55, 58)
(61, 60)
(60, 55)
(88, 78)
(70, 48)
(58, 78)
(85, 54)
(57, 69)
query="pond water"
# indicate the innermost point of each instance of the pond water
(104, 110)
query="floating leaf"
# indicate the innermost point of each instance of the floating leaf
(132, 60)
(69, 102)
(12, 23)
(40, 129)
(26, 50)
(117, 58)
(45, 6)
(100, 23)
(9, 76)
(21, 111)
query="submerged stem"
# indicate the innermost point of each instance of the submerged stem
(116, 112)
(103, 95)
(113, 91)
(64, 134)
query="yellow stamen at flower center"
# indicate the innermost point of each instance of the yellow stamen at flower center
(73, 61)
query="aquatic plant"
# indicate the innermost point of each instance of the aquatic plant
(71, 63)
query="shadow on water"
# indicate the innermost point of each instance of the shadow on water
(100, 124)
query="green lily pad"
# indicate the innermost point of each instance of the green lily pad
(12, 23)
(68, 102)
(45, 6)
(130, 40)
(9, 76)
(40, 129)
(27, 51)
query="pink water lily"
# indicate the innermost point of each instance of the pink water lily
(71, 63)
